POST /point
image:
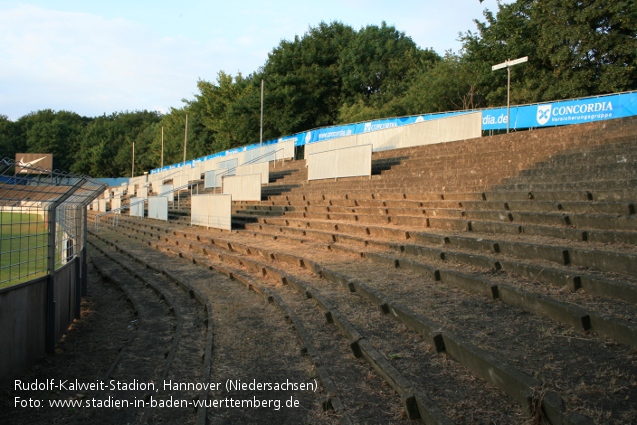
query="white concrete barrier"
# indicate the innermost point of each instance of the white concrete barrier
(243, 188)
(142, 192)
(136, 208)
(211, 211)
(167, 191)
(345, 162)
(158, 207)
(116, 203)
(262, 168)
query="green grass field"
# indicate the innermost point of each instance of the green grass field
(23, 247)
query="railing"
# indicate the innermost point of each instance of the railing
(252, 161)
(41, 220)
(43, 267)
(115, 212)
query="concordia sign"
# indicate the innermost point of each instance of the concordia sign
(577, 111)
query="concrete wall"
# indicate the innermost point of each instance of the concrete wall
(65, 280)
(212, 211)
(167, 191)
(243, 188)
(158, 207)
(345, 162)
(229, 163)
(22, 326)
(23, 318)
(116, 203)
(213, 178)
(467, 126)
(142, 192)
(180, 180)
(262, 168)
(137, 207)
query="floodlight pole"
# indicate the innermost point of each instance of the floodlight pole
(162, 146)
(132, 172)
(508, 64)
(185, 137)
(261, 137)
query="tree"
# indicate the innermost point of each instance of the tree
(58, 133)
(377, 69)
(228, 110)
(10, 140)
(106, 145)
(303, 81)
(449, 85)
(575, 48)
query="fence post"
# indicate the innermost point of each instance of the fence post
(79, 239)
(50, 282)
(84, 255)
(50, 288)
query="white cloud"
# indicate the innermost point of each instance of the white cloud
(89, 64)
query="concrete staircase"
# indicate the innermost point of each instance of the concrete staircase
(494, 251)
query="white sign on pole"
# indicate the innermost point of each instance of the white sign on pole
(212, 211)
(167, 191)
(137, 207)
(243, 188)
(158, 207)
(509, 63)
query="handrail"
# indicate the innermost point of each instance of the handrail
(185, 186)
(253, 161)
(127, 206)
(178, 171)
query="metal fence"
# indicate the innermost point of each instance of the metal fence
(42, 220)
(43, 266)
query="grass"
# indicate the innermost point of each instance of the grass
(23, 247)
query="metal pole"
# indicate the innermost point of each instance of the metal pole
(508, 98)
(162, 146)
(508, 64)
(185, 137)
(132, 173)
(84, 255)
(261, 139)
(50, 284)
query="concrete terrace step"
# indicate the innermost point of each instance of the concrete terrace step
(596, 185)
(607, 261)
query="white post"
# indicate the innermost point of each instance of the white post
(132, 173)
(185, 137)
(508, 64)
(261, 138)
(508, 98)
(162, 146)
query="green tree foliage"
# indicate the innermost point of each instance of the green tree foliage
(575, 48)
(303, 82)
(450, 84)
(228, 111)
(380, 63)
(106, 145)
(377, 68)
(11, 141)
(334, 74)
(47, 131)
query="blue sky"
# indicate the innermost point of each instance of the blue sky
(94, 57)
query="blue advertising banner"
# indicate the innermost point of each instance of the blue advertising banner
(327, 133)
(566, 112)
(550, 114)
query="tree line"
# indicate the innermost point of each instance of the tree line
(334, 74)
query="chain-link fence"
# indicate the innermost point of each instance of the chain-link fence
(42, 219)
(43, 266)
